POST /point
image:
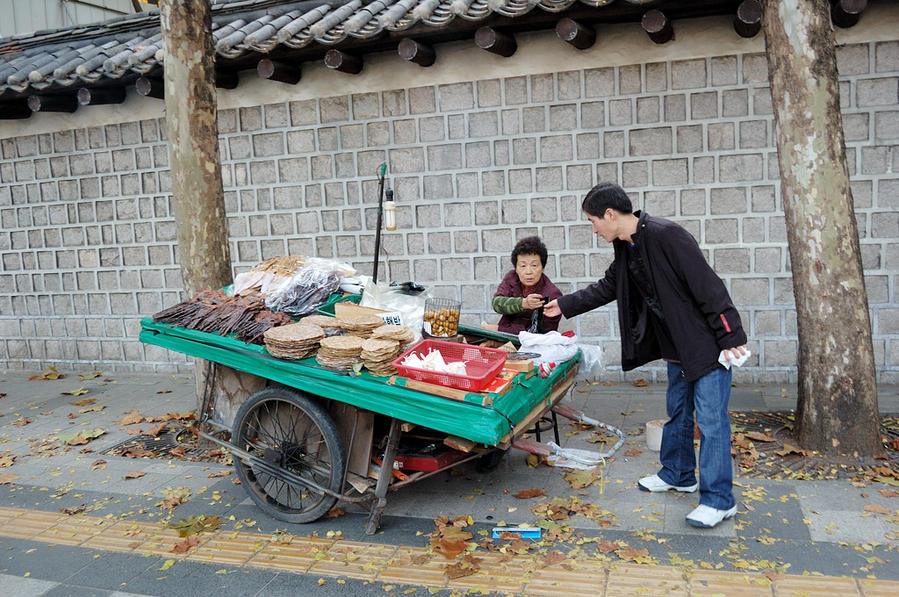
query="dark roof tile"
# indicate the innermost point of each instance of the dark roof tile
(133, 44)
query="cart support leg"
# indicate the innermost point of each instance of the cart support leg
(377, 508)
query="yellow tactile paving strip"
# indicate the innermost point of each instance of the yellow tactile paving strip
(393, 564)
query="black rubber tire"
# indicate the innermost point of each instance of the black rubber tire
(290, 432)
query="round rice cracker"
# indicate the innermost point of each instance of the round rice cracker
(294, 332)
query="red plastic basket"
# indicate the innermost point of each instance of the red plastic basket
(481, 364)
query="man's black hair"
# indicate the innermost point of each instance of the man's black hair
(606, 195)
(532, 245)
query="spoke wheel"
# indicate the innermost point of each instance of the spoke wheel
(295, 441)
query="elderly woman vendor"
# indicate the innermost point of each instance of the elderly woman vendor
(524, 288)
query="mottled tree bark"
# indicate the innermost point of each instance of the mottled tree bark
(190, 105)
(837, 406)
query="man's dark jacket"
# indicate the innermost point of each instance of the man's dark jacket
(697, 310)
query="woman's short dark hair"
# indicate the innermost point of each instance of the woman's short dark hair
(606, 195)
(531, 245)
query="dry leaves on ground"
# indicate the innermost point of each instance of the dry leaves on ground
(581, 479)
(174, 496)
(87, 376)
(136, 452)
(135, 475)
(49, 374)
(155, 430)
(195, 525)
(131, 418)
(524, 494)
(78, 392)
(449, 538)
(184, 546)
(876, 509)
(639, 556)
(552, 558)
(82, 437)
(467, 566)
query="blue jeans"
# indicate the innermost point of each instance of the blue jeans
(708, 397)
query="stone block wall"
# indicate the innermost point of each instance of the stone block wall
(88, 241)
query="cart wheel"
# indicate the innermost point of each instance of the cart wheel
(292, 438)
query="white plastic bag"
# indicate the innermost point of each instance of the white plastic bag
(591, 362)
(410, 306)
(552, 347)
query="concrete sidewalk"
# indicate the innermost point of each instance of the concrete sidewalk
(785, 528)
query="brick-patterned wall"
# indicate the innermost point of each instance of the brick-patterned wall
(88, 235)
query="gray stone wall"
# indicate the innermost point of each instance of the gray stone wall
(88, 237)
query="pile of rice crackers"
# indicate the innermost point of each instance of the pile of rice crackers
(342, 344)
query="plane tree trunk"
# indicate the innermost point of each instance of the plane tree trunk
(837, 409)
(190, 105)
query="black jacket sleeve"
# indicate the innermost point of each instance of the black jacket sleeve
(595, 295)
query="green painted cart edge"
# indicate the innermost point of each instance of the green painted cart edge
(484, 425)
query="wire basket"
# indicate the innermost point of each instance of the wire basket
(441, 317)
(481, 364)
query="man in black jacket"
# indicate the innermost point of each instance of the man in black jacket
(671, 305)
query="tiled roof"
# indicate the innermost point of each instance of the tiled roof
(118, 51)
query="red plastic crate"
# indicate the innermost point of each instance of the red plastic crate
(417, 462)
(481, 364)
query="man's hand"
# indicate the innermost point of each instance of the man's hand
(730, 354)
(551, 309)
(532, 301)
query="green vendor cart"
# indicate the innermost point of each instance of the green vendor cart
(292, 456)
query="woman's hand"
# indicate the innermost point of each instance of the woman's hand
(532, 301)
(551, 309)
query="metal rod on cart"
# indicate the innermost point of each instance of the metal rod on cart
(377, 508)
(374, 272)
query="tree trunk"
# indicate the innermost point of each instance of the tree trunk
(190, 105)
(837, 407)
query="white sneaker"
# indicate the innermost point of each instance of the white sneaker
(655, 484)
(708, 517)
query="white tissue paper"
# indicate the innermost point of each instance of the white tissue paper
(735, 362)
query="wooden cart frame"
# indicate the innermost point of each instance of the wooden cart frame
(288, 452)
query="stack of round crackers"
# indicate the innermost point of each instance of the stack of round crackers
(331, 325)
(339, 352)
(400, 333)
(293, 341)
(360, 325)
(378, 355)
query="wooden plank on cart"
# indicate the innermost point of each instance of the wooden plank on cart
(438, 390)
(343, 415)
(559, 391)
(459, 443)
(525, 366)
